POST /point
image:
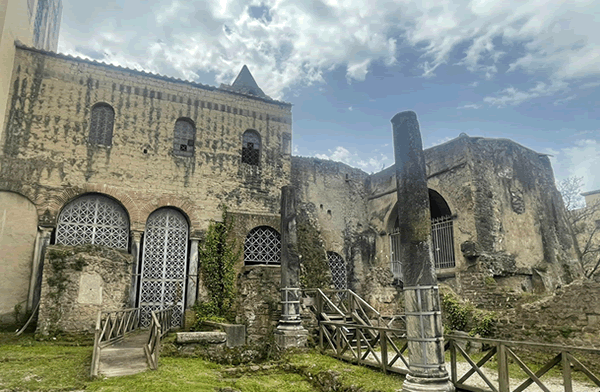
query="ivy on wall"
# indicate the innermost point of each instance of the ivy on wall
(315, 271)
(217, 255)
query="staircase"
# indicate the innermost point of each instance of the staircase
(124, 358)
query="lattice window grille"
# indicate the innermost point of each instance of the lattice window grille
(251, 148)
(442, 240)
(184, 138)
(164, 262)
(101, 125)
(338, 270)
(93, 219)
(262, 246)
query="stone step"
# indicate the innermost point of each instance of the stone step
(122, 361)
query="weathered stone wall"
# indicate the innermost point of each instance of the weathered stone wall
(332, 197)
(18, 228)
(46, 155)
(78, 281)
(570, 316)
(259, 301)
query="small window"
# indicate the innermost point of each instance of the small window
(184, 138)
(251, 148)
(262, 246)
(101, 124)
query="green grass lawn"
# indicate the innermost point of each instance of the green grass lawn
(30, 365)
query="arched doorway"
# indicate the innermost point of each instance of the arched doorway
(442, 236)
(339, 275)
(164, 264)
(93, 219)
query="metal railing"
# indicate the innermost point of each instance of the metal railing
(111, 327)
(385, 348)
(160, 325)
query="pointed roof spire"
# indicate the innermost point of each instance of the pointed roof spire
(245, 84)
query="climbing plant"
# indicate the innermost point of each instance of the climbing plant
(217, 255)
(315, 271)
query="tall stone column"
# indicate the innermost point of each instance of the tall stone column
(42, 240)
(290, 332)
(136, 251)
(427, 371)
(192, 281)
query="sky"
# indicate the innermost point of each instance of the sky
(523, 70)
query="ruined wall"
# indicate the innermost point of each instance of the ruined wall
(332, 197)
(46, 155)
(18, 228)
(78, 281)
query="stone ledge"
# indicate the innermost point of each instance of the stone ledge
(212, 337)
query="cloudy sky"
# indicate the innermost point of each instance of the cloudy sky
(528, 71)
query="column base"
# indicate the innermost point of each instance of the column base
(287, 336)
(420, 384)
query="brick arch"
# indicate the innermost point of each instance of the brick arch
(185, 206)
(27, 193)
(56, 203)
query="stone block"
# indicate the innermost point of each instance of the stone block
(212, 337)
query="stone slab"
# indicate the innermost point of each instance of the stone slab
(212, 337)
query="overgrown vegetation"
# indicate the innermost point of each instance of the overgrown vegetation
(62, 260)
(461, 316)
(315, 271)
(217, 255)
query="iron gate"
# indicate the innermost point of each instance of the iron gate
(164, 265)
(338, 270)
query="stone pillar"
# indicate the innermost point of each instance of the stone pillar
(290, 332)
(42, 240)
(192, 281)
(427, 371)
(136, 251)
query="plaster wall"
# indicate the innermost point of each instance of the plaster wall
(18, 228)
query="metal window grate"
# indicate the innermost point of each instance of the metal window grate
(101, 125)
(442, 239)
(164, 263)
(262, 246)
(184, 138)
(251, 148)
(93, 219)
(338, 270)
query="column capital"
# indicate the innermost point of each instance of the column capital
(136, 235)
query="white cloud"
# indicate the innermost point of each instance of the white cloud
(564, 100)
(350, 108)
(469, 106)
(293, 42)
(370, 164)
(581, 159)
(512, 96)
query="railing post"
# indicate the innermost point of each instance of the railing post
(337, 340)
(503, 376)
(321, 326)
(453, 369)
(566, 372)
(384, 352)
(358, 343)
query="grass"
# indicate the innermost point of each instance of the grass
(63, 365)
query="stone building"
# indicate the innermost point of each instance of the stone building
(97, 154)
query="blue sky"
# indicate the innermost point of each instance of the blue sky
(527, 71)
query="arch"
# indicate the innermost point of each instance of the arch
(251, 147)
(18, 230)
(339, 273)
(438, 205)
(102, 120)
(93, 219)
(262, 246)
(164, 264)
(184, 137)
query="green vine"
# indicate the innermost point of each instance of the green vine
(461, 316)
(315, 271)
(217, 255)
(61, 260)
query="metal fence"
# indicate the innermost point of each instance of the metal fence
(442, 239)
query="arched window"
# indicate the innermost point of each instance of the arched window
(442, 236)
(93, 219)
(184, 138)
(101, 124)
(251, 147)
(262, 246)
(338, 270)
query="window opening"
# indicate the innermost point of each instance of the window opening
(262, 246)
(251, 148)
(101, 124)
(184, 138)
(338, 270)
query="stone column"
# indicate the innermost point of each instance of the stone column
(42, 240)
(136, 251)
(427, 371)
(192, 281)
(290, 332)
